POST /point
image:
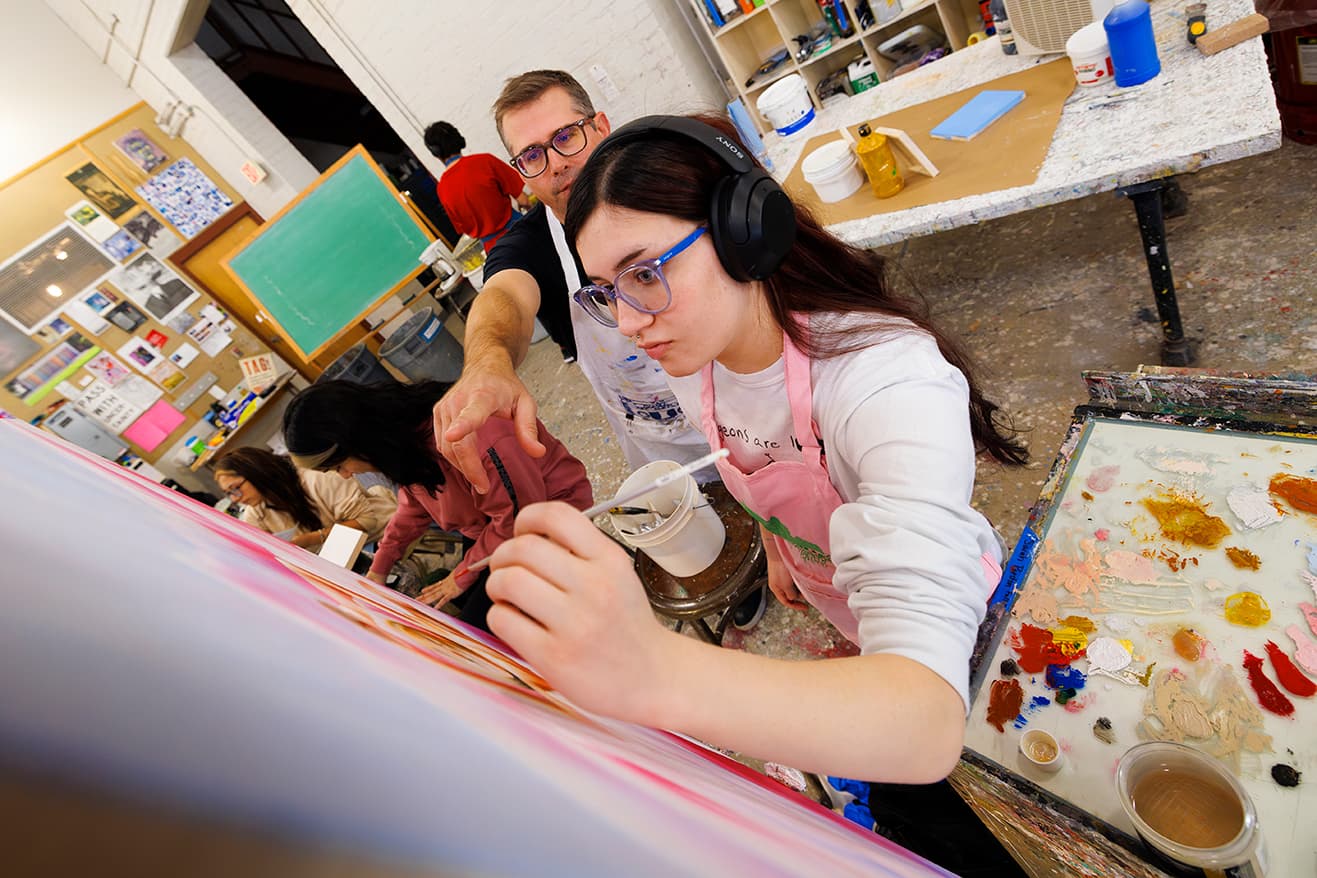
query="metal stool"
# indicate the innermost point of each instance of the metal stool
(740, 569)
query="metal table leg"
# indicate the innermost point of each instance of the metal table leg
(1147, 198)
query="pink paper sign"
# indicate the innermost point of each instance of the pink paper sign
(153, 427)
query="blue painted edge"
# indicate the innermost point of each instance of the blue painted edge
(1016, 569)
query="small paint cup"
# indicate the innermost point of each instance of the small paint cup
(1041, 750)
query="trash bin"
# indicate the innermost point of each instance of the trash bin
(358, 365)
(423, 351)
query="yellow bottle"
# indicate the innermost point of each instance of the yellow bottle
(879, 163)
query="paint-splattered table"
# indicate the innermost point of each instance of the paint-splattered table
(1199, 111)
(1165, 592)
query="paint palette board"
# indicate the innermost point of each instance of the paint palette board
(1104, 562)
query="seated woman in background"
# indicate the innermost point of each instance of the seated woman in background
(389, 428)
(279, 498)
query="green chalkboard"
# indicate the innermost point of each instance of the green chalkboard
(332, 254)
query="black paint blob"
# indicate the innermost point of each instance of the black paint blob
(1009, 668)
(1285, 775)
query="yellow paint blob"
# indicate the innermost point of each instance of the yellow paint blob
(1070, 639)
(1247, 608)
(1185, 520)
(1081, 622)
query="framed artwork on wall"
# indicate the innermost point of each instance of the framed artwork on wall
(92, 182)
(141, 150)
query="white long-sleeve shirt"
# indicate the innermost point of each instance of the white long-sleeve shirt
(907, 545)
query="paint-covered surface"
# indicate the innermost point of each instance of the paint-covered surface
(1154, 605)
(200, 666)
(1222, 109)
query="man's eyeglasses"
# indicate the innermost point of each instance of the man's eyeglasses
(567, 140)
(235, 491)
(641, 285)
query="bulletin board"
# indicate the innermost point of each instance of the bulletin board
(139, 336)
(332, 254)
(1189, 543)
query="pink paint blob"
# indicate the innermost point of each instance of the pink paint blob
(1102, 534)
(1103, 478)
(1305, 651)
(1310, 613)
(1130, 566)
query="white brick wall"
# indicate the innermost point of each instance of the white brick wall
(427, 60)
(417, 61)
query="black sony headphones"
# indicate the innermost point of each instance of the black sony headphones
(751, 220)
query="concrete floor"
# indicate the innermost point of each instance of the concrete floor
(1042, 296)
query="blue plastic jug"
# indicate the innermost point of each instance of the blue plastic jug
(1132, 44)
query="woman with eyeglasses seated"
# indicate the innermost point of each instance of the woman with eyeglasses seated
(853, 424)
(389, 428)
(304, 505)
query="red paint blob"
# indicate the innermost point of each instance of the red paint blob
(1038, 649)
(1004, 702)
(1290, 677)
(1269, 696)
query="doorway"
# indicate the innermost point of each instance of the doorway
(268, 53)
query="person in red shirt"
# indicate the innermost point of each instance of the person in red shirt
(477, 191)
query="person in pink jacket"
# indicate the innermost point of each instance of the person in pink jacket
(388, 428)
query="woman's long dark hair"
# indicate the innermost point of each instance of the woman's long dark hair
(275, 477)
(675, 176)
(389, 426)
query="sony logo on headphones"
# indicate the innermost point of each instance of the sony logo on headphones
(736, 150)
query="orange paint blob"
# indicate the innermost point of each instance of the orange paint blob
(1243, 558)
(1185, 520)
(1247, 608)
(1188, 644)
(1083, 623)
(1299, 492)
(1004, 702)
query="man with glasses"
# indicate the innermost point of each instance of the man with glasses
(550, 128)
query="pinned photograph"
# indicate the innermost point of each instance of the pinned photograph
(152, 232)
(126, 316)
(101, 300)
(141, 150)
(53, 331)
(121, 245)
(186, 197)
(108, 198)
(93, 224)
(152, 286)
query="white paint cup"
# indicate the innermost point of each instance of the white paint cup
(786, 105)
(832, 171)
(691, 536)
(1041, 750)
(1090, 55)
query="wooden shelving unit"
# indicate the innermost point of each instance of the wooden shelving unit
(744, 42)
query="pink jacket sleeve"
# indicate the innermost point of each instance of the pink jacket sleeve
(406, 526)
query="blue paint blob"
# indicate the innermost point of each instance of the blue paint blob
(1035, 703)
(1065, 677)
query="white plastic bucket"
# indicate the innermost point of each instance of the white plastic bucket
(832, 171)
(691, 535)
(786, 105)
(1089, 54)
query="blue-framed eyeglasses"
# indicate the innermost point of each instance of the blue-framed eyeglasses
(641, 285)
